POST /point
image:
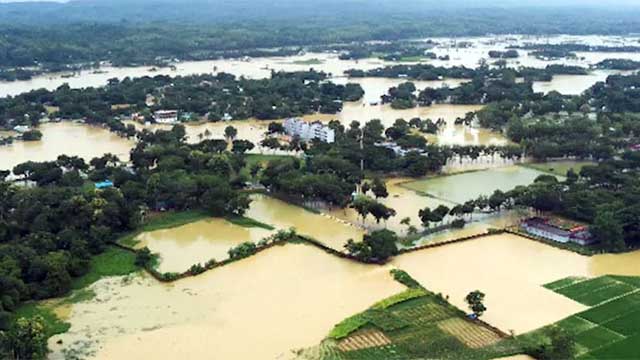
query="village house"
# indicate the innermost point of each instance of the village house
(556, 230)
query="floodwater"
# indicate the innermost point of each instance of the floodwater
(65, 138)
(572, 84)
(405, 202)
(510, 270)
(262, 67)
(281, 215)
(262, 307)
(198, 242)
(459, 188)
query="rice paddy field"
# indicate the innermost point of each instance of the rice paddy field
(610, 329)
(410, 325)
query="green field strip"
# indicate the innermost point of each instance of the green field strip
(562, 283)
(627, 324)
(597, 337)
(625, 349)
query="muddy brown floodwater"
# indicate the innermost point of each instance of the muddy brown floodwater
(65, 138)
(198, 242)
(262, 307)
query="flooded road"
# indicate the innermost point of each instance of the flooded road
(510, 270)
(259, 308)
(67, 138)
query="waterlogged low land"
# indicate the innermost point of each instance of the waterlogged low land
(179, 248)
(259, 308)
(284, 216)
(459, 188)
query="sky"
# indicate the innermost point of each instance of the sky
(607, 3)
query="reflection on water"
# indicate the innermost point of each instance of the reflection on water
(510, 270)
(198, 242)
(471, 185)
(65, 138)
(258, 308)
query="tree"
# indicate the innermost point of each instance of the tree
(143, 257)
(362, 205)
(425, 216)
(475, 299)
(377, 246)
(27, 339)
(560, 346)
(230, 133)
(608, 230)
(379, 188)
(380, 211)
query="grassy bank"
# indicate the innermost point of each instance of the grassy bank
(112, 262)
(559, 168)
(248, 222)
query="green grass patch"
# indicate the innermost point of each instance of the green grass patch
(112, 262)
(162, 221)
(398, 298)
(248, 222)
(612, 310)
(597, 337)
(79, 296)
(53, 325)
(627, 325)
(558, 167)
(575, 325)
(595, 291)
(624, 349)
(347, 326)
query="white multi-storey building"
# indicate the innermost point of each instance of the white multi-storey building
(308, 131)
(166, 116)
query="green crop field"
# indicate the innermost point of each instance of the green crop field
(592, 292)
(413, 324)
(610, 329)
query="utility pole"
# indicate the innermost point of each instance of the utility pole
(361, 155)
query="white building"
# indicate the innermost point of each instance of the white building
(308, 131)
(166, 116)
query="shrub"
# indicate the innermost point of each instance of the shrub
(196, 269)
(458, 223)
(242, 251)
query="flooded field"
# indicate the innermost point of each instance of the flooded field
(510, 270)
(282, 215)
(259, 308)
(459, 188)
(65, 138)
(198, 242)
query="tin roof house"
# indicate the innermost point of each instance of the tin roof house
(557, 230)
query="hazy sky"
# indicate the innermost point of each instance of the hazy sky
(468, 2)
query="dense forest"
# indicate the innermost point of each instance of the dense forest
(139, 31)
(212, 96)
